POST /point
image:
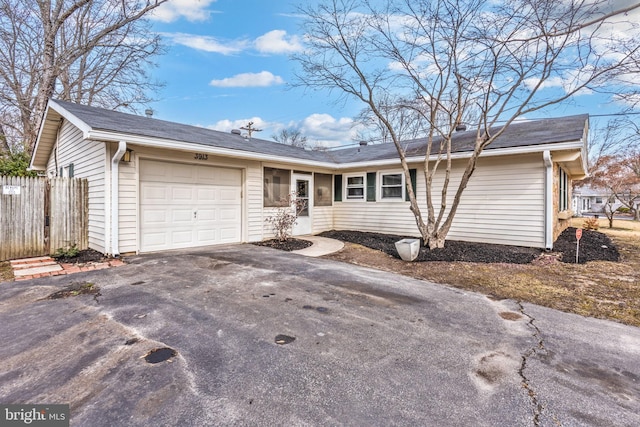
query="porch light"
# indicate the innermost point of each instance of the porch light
(126, 157)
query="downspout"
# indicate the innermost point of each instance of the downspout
(548, 200)
(115, 161)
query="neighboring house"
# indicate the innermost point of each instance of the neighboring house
(592, 200)
(156, 185)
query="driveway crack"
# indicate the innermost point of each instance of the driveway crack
(537, 349)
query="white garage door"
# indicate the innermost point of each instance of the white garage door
(184, 206)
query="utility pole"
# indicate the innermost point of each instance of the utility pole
(249, 128)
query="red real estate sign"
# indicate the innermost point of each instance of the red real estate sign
(578, 233)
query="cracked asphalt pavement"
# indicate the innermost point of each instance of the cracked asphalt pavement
(263, 337)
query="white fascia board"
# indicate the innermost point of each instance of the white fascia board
(465, 155)
(52, 105)
(248, 155)
(188, 146)
(37, 146)
(85, 128)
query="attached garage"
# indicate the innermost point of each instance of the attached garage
(184, 206)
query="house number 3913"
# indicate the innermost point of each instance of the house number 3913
(200, 156)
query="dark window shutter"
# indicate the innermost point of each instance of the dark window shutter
(71, 170)
(414, 180)
(337, 188)
(371, 187)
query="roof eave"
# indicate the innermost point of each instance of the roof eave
(38, 157)
(108, 136)
(467, 154)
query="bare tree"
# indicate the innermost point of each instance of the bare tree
(406, 122)
(619, 175)
(291, 136)
(93, 51)
(614, 165)
(482, 62)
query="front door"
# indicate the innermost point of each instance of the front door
(304, 201)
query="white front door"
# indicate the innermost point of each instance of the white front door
(302, 190)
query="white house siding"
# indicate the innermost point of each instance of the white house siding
(322, 219)
(253, 187)
(503, 203)
(129, 191)
(89, 160)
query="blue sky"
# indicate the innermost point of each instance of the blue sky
(228, 64)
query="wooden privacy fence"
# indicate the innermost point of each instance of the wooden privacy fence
(40, 215)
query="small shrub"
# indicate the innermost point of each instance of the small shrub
(591, 224)
(623, 209)
(286, 216)
(69, 252)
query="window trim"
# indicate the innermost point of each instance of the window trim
(563, 190)
(346, 197)
(403, 186)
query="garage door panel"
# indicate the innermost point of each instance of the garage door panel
(189, 205)
(183, 173)
(229, 195)
(181, 216)
(181, 193)
(181, 237)
(154, 193)
(206, 193)
(154, 216)
(228, 214)
(154, 239)
(207, 214)
(228, 235)
(206, 236)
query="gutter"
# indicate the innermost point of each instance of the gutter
(106, 136)
(115, 229)
(548, 200)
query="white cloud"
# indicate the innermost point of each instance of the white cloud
(207, 43)
(531, 83)
(327, 131)
(191, 10)
(273, 42)
(277, 41)
(261, 79)
(320, 129)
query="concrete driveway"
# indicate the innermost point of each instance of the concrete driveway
(370, 348)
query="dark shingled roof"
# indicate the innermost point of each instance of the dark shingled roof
(521, 134)
(131, 124)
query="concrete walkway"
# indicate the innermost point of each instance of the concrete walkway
(321, 246)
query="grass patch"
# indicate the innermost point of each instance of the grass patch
(600, 289)
(76, 289)
(6, 272)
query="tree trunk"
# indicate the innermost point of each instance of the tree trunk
(4, 145)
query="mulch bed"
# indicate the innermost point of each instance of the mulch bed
(593, 246)
(285, 245)
(84, 256)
